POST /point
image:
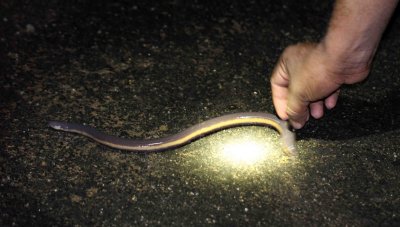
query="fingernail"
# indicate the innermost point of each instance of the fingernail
(296, 125)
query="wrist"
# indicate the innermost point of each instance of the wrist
(348, 61)
(353, 35)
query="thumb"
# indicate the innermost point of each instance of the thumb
(297, 110)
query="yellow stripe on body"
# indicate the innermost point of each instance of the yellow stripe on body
(195, 134)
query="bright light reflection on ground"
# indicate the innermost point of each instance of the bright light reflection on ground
(249, 149)
(243, 161)
(240, 154)
(244, 152)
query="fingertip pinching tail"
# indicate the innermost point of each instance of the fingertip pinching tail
(188, 135)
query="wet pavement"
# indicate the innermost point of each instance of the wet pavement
(150, 69)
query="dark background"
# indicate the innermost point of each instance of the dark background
(152, 68)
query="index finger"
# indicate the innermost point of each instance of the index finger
(280, 89)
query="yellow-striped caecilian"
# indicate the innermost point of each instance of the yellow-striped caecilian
(188, 135)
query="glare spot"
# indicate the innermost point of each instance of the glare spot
(237, 154)
(244, 152)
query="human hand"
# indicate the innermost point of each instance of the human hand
(307, 78)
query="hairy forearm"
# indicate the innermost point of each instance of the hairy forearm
(355, 30)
